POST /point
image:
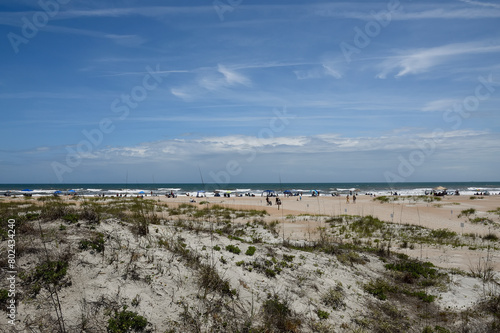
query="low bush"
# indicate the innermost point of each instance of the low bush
(250, 251)
(126, 321)
(96, 244)
(278, 315)
(233, 249)
(334, 297)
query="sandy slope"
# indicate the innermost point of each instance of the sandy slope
(160, 284)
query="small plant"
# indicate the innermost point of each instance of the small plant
(467, 212)
(71, 218)
(96, 244)
(137, 299)
(233, 249)
(322, 314)
(378, 288)
(210, 280)
(443, 234)
(382, 199)
(278, 316)
(126, 321)
(217, 248)
(250, 251)
(491, 237)
(270, 273)
(334, 297)
(4, 296)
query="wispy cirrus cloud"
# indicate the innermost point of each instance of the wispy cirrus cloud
(440, 104)
(210, 80)
(407, 12)
(480, 3)
(422, 60)
(317, 72)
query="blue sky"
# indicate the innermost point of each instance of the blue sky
(249, 91)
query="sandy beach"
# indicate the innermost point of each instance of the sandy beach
(190, 272)
(302, 217)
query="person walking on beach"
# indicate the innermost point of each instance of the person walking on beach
(347, 199)
(354, 198)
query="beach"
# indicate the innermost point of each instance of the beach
(195, 263)
(301, 218)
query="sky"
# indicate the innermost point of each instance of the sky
(231, 91)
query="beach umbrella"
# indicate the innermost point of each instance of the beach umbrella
(142, 192)
(26, 190)
(440, 188)
(57, 192)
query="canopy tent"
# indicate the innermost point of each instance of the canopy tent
(269, 193)
(440, 188)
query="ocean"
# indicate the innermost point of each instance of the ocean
(464, 188)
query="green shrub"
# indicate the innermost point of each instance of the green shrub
(270, 272)
(217, 248)
(334, 297)
(378, 288)
(233, 249)
(443, 234)
(278, 316)
(415, 268)
(126, 321)
(96, 244)
(491, 237)
(45, 274)
(467, 212)
(71, 218)
(382, 199)
(210, 280)
(250, 251)
(322, 314)
(4, 296)
(50, 272)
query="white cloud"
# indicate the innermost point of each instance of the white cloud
(297, 145)
(211, 80)
(422, 60)
(232, 77)
(440, 105)
(318, 72)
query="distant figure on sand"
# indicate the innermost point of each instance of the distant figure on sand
(278, 203)
(354, 198)
(347, 199)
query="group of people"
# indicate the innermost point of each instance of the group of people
(353, 198)
(270, 203)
